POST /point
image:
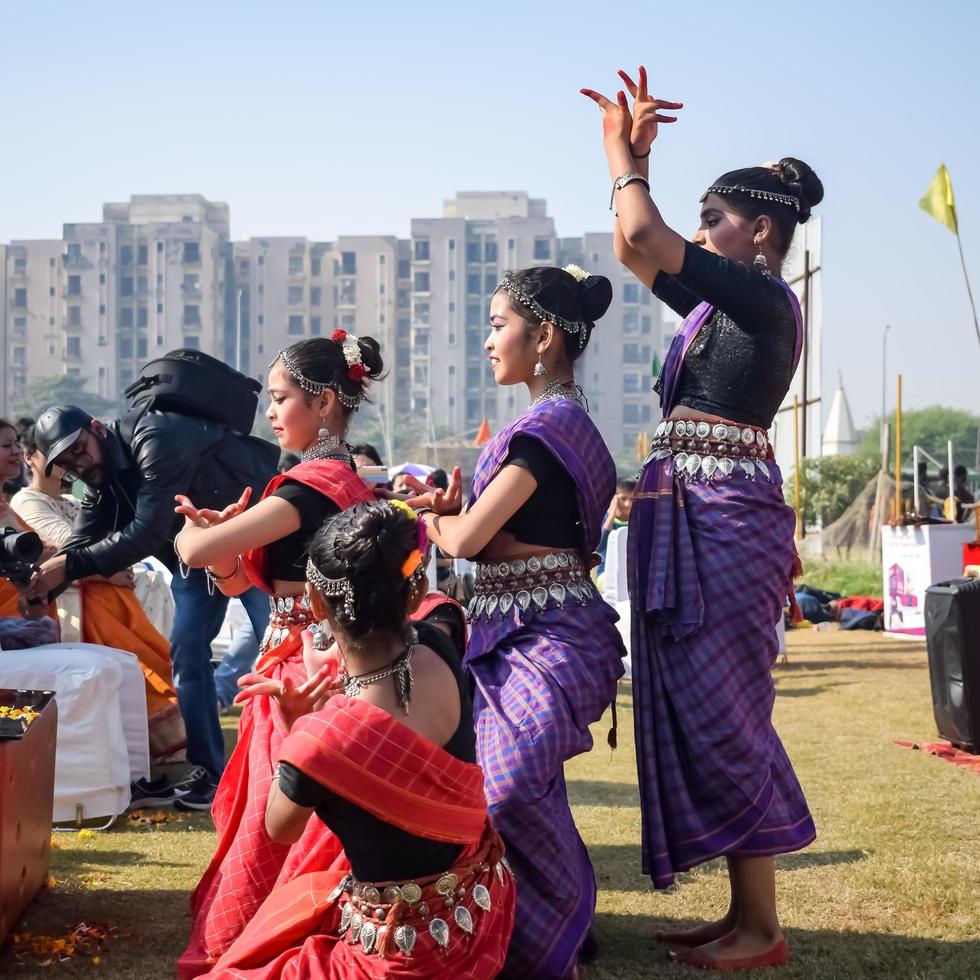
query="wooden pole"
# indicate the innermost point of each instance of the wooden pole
(952, 491)
(898, 452)
(796, 467)
(805, 357)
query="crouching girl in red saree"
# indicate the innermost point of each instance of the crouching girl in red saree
(389, 766)
(314, 387)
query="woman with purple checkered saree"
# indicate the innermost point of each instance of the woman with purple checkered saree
(711, 550)
(544, 652)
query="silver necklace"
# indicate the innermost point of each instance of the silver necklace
(400, 668)
(327, 446)
(561, 389)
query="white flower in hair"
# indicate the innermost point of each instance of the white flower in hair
(576, 272)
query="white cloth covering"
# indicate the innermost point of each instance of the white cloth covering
(103, 743)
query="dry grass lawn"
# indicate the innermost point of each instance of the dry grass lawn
(891, 888)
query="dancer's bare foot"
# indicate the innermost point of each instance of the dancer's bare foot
(740, 950)
(706, 933)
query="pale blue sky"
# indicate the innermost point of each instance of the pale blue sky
(343, 118)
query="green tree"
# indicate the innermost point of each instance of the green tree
(829, 484)
(62, 389)
(930, 428)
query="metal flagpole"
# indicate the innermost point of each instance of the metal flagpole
(969, 291)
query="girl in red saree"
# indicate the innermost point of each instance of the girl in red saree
(314, 387)
(389, 766)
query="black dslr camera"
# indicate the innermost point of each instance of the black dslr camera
(20, 552)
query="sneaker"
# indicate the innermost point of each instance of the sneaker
(189, 778)
(157, 792)
(200, 796)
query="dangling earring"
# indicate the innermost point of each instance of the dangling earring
(759, 261)
(321, 635)
(539, 369)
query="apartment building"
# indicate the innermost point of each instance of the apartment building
(34, 312)
(285, 289)
(161, 272)
(110, 295)
(457, 261)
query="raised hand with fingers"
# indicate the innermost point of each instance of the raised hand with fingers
(446, 502)
(647, 114)
(294, 700)
(617, 122)
(205, 517)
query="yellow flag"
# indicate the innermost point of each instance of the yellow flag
(938, 201)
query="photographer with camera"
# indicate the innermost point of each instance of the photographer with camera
(132, 470)
(21, 624)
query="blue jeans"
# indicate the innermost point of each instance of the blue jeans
(197, 619)
(242, 653)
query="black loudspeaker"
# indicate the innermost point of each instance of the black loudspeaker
(952, 616)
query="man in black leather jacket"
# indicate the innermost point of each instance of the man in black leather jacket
(132, 470)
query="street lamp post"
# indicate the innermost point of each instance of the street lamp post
(884, 378)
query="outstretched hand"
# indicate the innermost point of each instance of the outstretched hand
(647, 116)
(205, 517)
(294, 700)
(448, 502)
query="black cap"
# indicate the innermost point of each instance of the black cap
(58, 429)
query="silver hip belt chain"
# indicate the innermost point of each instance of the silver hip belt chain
(706, 451)
(457, 898)
(541, 582)
(286, 611)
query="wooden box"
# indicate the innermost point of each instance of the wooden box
(26, 804)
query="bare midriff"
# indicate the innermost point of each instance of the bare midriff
(683, 412)
(505, 547)
(696, 415)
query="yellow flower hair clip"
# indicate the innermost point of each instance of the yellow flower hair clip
(402, 506)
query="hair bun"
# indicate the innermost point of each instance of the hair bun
(597, 294)
(371, 357)
(802, 182)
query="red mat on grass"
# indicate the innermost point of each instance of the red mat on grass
(946, 752)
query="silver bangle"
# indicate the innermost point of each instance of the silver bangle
(620, 182)
(214, 579)
(182, 569)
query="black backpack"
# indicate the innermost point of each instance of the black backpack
(193, 383)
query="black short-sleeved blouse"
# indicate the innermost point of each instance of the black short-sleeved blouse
(740, 365)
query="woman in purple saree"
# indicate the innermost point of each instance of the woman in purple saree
(711, 551)
(544, 651)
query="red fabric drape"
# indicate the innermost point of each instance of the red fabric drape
(332, 478)
(412, 782)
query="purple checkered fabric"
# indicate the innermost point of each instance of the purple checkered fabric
(709, 569)
(570, 435)
(541, 678)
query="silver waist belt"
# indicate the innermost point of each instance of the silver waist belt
(288, 611)
(702, 451)
(541, 582)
